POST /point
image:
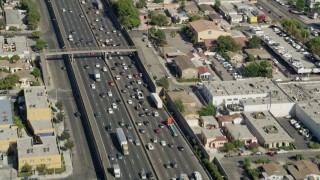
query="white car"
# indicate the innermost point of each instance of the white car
(104, 69)
(117, 52)
(120, 57)
(110, 111)
(109, 93)
(97, 65)
(129, 101)
(114, 106)
(138, 81)
(83, 2)
(129, 76)
(123, 63)
(163, 143)
(93, 86)
(155, 114)
(139, 123)
(125, 67)
(63, 10)
(117, 77)
(150, 146)
(96, 20)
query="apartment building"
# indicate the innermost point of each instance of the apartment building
(39, 151)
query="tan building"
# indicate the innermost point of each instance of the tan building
(41, 127)
(234, 57)
(8, 137)
(304, 169)
(239, 132)
(185, 68)
(273, 171)
(36, 99)
(209, 30)
(213, 138)
(234, 119)
(209, 122)
(39, 151)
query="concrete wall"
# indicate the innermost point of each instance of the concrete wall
(307, 121)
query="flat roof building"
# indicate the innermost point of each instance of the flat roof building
(267, 130)
(42, 128)
(239, 132)
(37, 151)
(8, 136)
(14, 46)
(213, 138)
(6, 117)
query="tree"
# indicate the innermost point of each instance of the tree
(59, 105)
(304, 33)
(65, 135)
(182, 6)
(26, 168)
(161, 38)
(173, 35)
(229, 146)
(69, 144)
(127, 13)
(157, 1)
(13, 28)
(36, 34)
(193, 17)
(40, 44)
(300, 5)
(153, 31)
(179, 105)
(9, 81)
(210, 110)
(226, 43)
(291, 2)
(250, 58)
(15, 57)
(36, 72)
(237, 143)
(314, 45)
(35, 83)
(299, 157)
(159, 20)
(217, 4)
(252, 70)
(60, 117)
(314, 145)
(265, 69)
(142, 3)
(18, 122)
(254, 42)
(253, 173)
(253, 145)
(163, 82)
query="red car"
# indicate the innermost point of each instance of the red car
(270, 153)
(135, 75)
(157, 131)
(111, 83)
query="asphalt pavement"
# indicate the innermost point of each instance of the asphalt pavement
(81, 158)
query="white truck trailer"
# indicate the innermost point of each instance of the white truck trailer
(116, 171)
(157, 100)
(97, 75)
(122, 141)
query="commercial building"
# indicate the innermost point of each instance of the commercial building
(267, 130)
(185, 68)
(6, 117)
(209, 122)
(39, 151)
(14, 46)
(213, 138)
(13, 18)
(304, 169)
(37, 105)
(208, 30)
(239, 132)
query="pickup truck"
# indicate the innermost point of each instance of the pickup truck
(281, 151)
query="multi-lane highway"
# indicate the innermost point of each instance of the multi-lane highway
(89, 28)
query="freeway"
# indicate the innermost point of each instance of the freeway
(137, 159)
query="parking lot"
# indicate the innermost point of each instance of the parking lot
(221, 71)
(300, 141)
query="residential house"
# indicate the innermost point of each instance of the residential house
(205, 73)
(209, 2)
(12, 2)
(274, 171)
(304, 169)
(215, 17)
(25, 78)
(191, 7)
(209, 122)
(234, 119)
(13, 18)
(234, 57)
(38, 151)
(258, 53)
(235, 18)
(210, 30)
(227, 9)
(239, 132)
(185, 68)
(213, 138)
(206, 9)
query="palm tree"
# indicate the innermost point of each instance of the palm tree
(173, 35)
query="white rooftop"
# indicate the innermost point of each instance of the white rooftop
(212, 133)
(313, 110)
(6, 116)
(36, 97)
(8, 133)
(19, 42)
(41, 124)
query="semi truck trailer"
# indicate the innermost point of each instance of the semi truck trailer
(122, 141)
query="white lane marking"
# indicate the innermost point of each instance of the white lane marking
(112, 147)
(132, 161)
(187, 166)
(124, 161)
(130, 175)
(167, 174)
(137, 156)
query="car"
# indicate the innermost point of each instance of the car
(110, 111)
(77, 44)
(150, 175)
(86, 66)
(121, 73)
(104, 69)
(108, 128)
(137, 142)
(77, 114)
(119, 155)
(145, 108)
(155, 114)
(167, 165)
(96, 20)
(270, 153)
(174, 164)
(81, 40)
(147, 123)
(143, 175)
(148, 113)
(81, 15)
(129, 126)
(133, 96)
(142, 131)
(119, 101)
(114, 105)
(121, 123)
(163, 143)
(63, 10)
(72, 32)
(154, 140)
(111, 83)
(257, 153)
(139, 82)
(97, 114)
(117, 77)
(171, 145)
(93, 86)
(135, 75)
(129, 101)
(128, 86)
(150, 146)
(135, 89)
(130, 66)
(111, 157)
(123, 90)
(157, 131)
(97, 65)
(102, 95)
(180, 148)
(120, 57)
(161, 126)
(130, 138)
(129, 76)
(63, 68)
(142, 102)
(125, 67)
